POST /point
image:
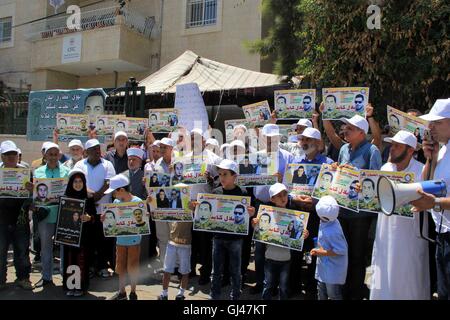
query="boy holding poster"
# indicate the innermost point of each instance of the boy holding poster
(127, 247)
(331, 251)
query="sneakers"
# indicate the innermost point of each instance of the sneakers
(180, 297)
(162, 297)
(119, 296)
(25, 284)
(43, 283)
(132, 296)
(105, 274)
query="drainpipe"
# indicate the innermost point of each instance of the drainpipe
(160, 33)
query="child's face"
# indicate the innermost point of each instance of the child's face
(281, 199)
(226, 177)
(120, 194)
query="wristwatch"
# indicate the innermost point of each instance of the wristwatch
(437, 205)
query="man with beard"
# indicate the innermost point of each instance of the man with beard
(400, 256)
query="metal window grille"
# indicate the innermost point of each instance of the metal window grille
(201, 13)
(5, 29)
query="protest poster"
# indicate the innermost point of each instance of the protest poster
(399, 120)
(12, 182)
(72, 125)
(192, 111)
(258, 114)
(295, 104)
(125, 219)
(189, 171)
(46, 191)
(281, 227)
(43, 107)
(301, 178)
(340, 183)
(222, 213)
(163, 120)
(133, 127)
(257, 169)
(287, 132)
(69, 225)
(368, 198)
(105, 125)
(156, 179)
(231, 124)
(344, 102)
(254, 180)
(170, 204)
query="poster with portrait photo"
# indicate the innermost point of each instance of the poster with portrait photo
(258, 114)
(134, 128)
(190, 170)
(257, 169)
(163, 120)
(287, 132)
(170, 204)
(368, 198)
(344, 102)
(301, 178)
(156, 179)
(399, 120)
(340, 183)
(125, 219)
(231, 124)
(46, 191)
(69, 225)
(222, 213)
(105, 125)
(281, 227)
(72, 125)
(12, 182)
(295, 104)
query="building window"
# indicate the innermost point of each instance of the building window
(201, 13)
(5, 29)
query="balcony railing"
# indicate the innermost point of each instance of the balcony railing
(94, 19)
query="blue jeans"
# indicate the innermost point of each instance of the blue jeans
(327, 291)
(233, 249)
(443, 265)
(276, 272)
(19, 237)
(46, 232)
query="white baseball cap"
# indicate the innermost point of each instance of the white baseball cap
(168, 142)
(271, 130)
(212, 141)
(197, 131)
(91, 143)
(120, 134)
(228, 165)
(51, 145)
(327, 208)
(75, 143)
(8, 146)
(18, 150)
(240, 126)
(225, 145)
(439, 111)
(117, 182)
(136, 152)
(237, 143)
(304, 123)
(44, 145)
(75, 171)
(276, 189)
(156, 143)
(357, 121)
(311, 133)
(404, 137)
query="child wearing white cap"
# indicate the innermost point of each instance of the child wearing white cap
(331, 251)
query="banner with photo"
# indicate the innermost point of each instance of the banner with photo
(163, 120)
(72, 125)
(399, 120)
(222, 213)
(344, 102)
(254, 180)
(257, 169)
(301, 178)
(368, 198)
(258, 114)
(12, 182)
(125, 219)
(231, 124)
(281, 227)
(156, 179)
(288, 132)
(189, 171)
(46, 191)
(170, 204)
(134, 127)
(105, 125)
(295, 104)
(341, 184)
(69, 225)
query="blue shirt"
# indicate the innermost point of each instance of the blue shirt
(332, 270)
(365, 156)
(128, 240)
(318, 159)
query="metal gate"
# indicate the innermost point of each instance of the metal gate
(13, 113)
(128, 100)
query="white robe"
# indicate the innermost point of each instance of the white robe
(400, 265)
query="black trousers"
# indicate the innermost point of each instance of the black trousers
(201, 252)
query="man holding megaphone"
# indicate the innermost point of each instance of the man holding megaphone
(438, 168)
(400, 272)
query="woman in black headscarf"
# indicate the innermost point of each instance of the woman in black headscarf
(77, 189)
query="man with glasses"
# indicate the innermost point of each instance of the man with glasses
(359, 103)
